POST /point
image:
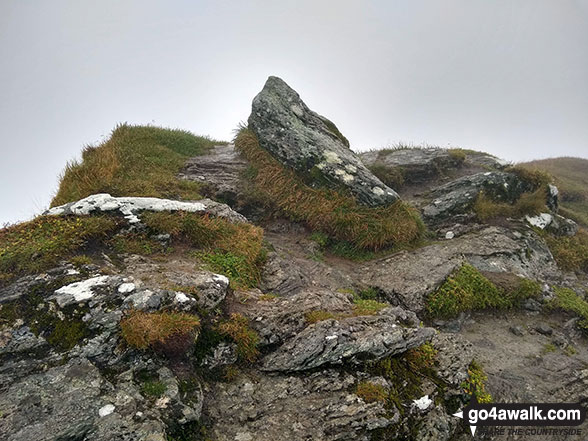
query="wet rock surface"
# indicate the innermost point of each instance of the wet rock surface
(310, 144)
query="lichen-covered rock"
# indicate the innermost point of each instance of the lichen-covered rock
(311, 145)
(130, 207)
(318, 406)
(457, 197)
(352, 341)
(554, 223)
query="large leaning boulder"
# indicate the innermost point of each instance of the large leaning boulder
(311, 144)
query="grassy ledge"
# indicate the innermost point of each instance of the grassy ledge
(39, 244)
(235, 250)
(337, 215)
(134, 161)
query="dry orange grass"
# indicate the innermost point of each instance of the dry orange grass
(134, 161)
(335, 214)
(142, 329)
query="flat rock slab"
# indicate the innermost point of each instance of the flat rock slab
(353, 340)
(130, 207)
(318, 406)
(311, 144)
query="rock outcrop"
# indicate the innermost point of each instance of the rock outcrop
(311, 144)
(407, 278)
(457, 197)
(349, 341)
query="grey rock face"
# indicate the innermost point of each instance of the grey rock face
(457, 197)
(406, 278)
(280, 276)
(73, 401)
(311, 145)
(454, 355)
(313, 407)
(352, 341)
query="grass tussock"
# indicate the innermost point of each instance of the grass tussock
(569, 300)
(238, 330)
(39, 244)
(235, 250)
(570, 252)
(467, 289)
(142, 330)
(528, 204)
(337, 215)
(134, 161)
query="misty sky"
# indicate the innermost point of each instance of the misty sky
(508, 77)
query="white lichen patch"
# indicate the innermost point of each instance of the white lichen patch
(553, 191)
(126, 288)
(423, 403)
(106, 410)
(540, 221)
(332, 157)
(128, 206)
(78, 291)
(344, 176)
(377, 191)
(351, 168)
(182, 298)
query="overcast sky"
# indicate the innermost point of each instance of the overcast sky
(508, 77)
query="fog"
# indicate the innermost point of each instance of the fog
(506, 77)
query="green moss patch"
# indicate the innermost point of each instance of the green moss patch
(467, 289)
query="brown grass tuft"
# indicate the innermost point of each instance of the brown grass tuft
(143, 330)
(325, 210)
(134, 161)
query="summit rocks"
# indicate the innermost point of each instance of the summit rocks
(312, 145)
